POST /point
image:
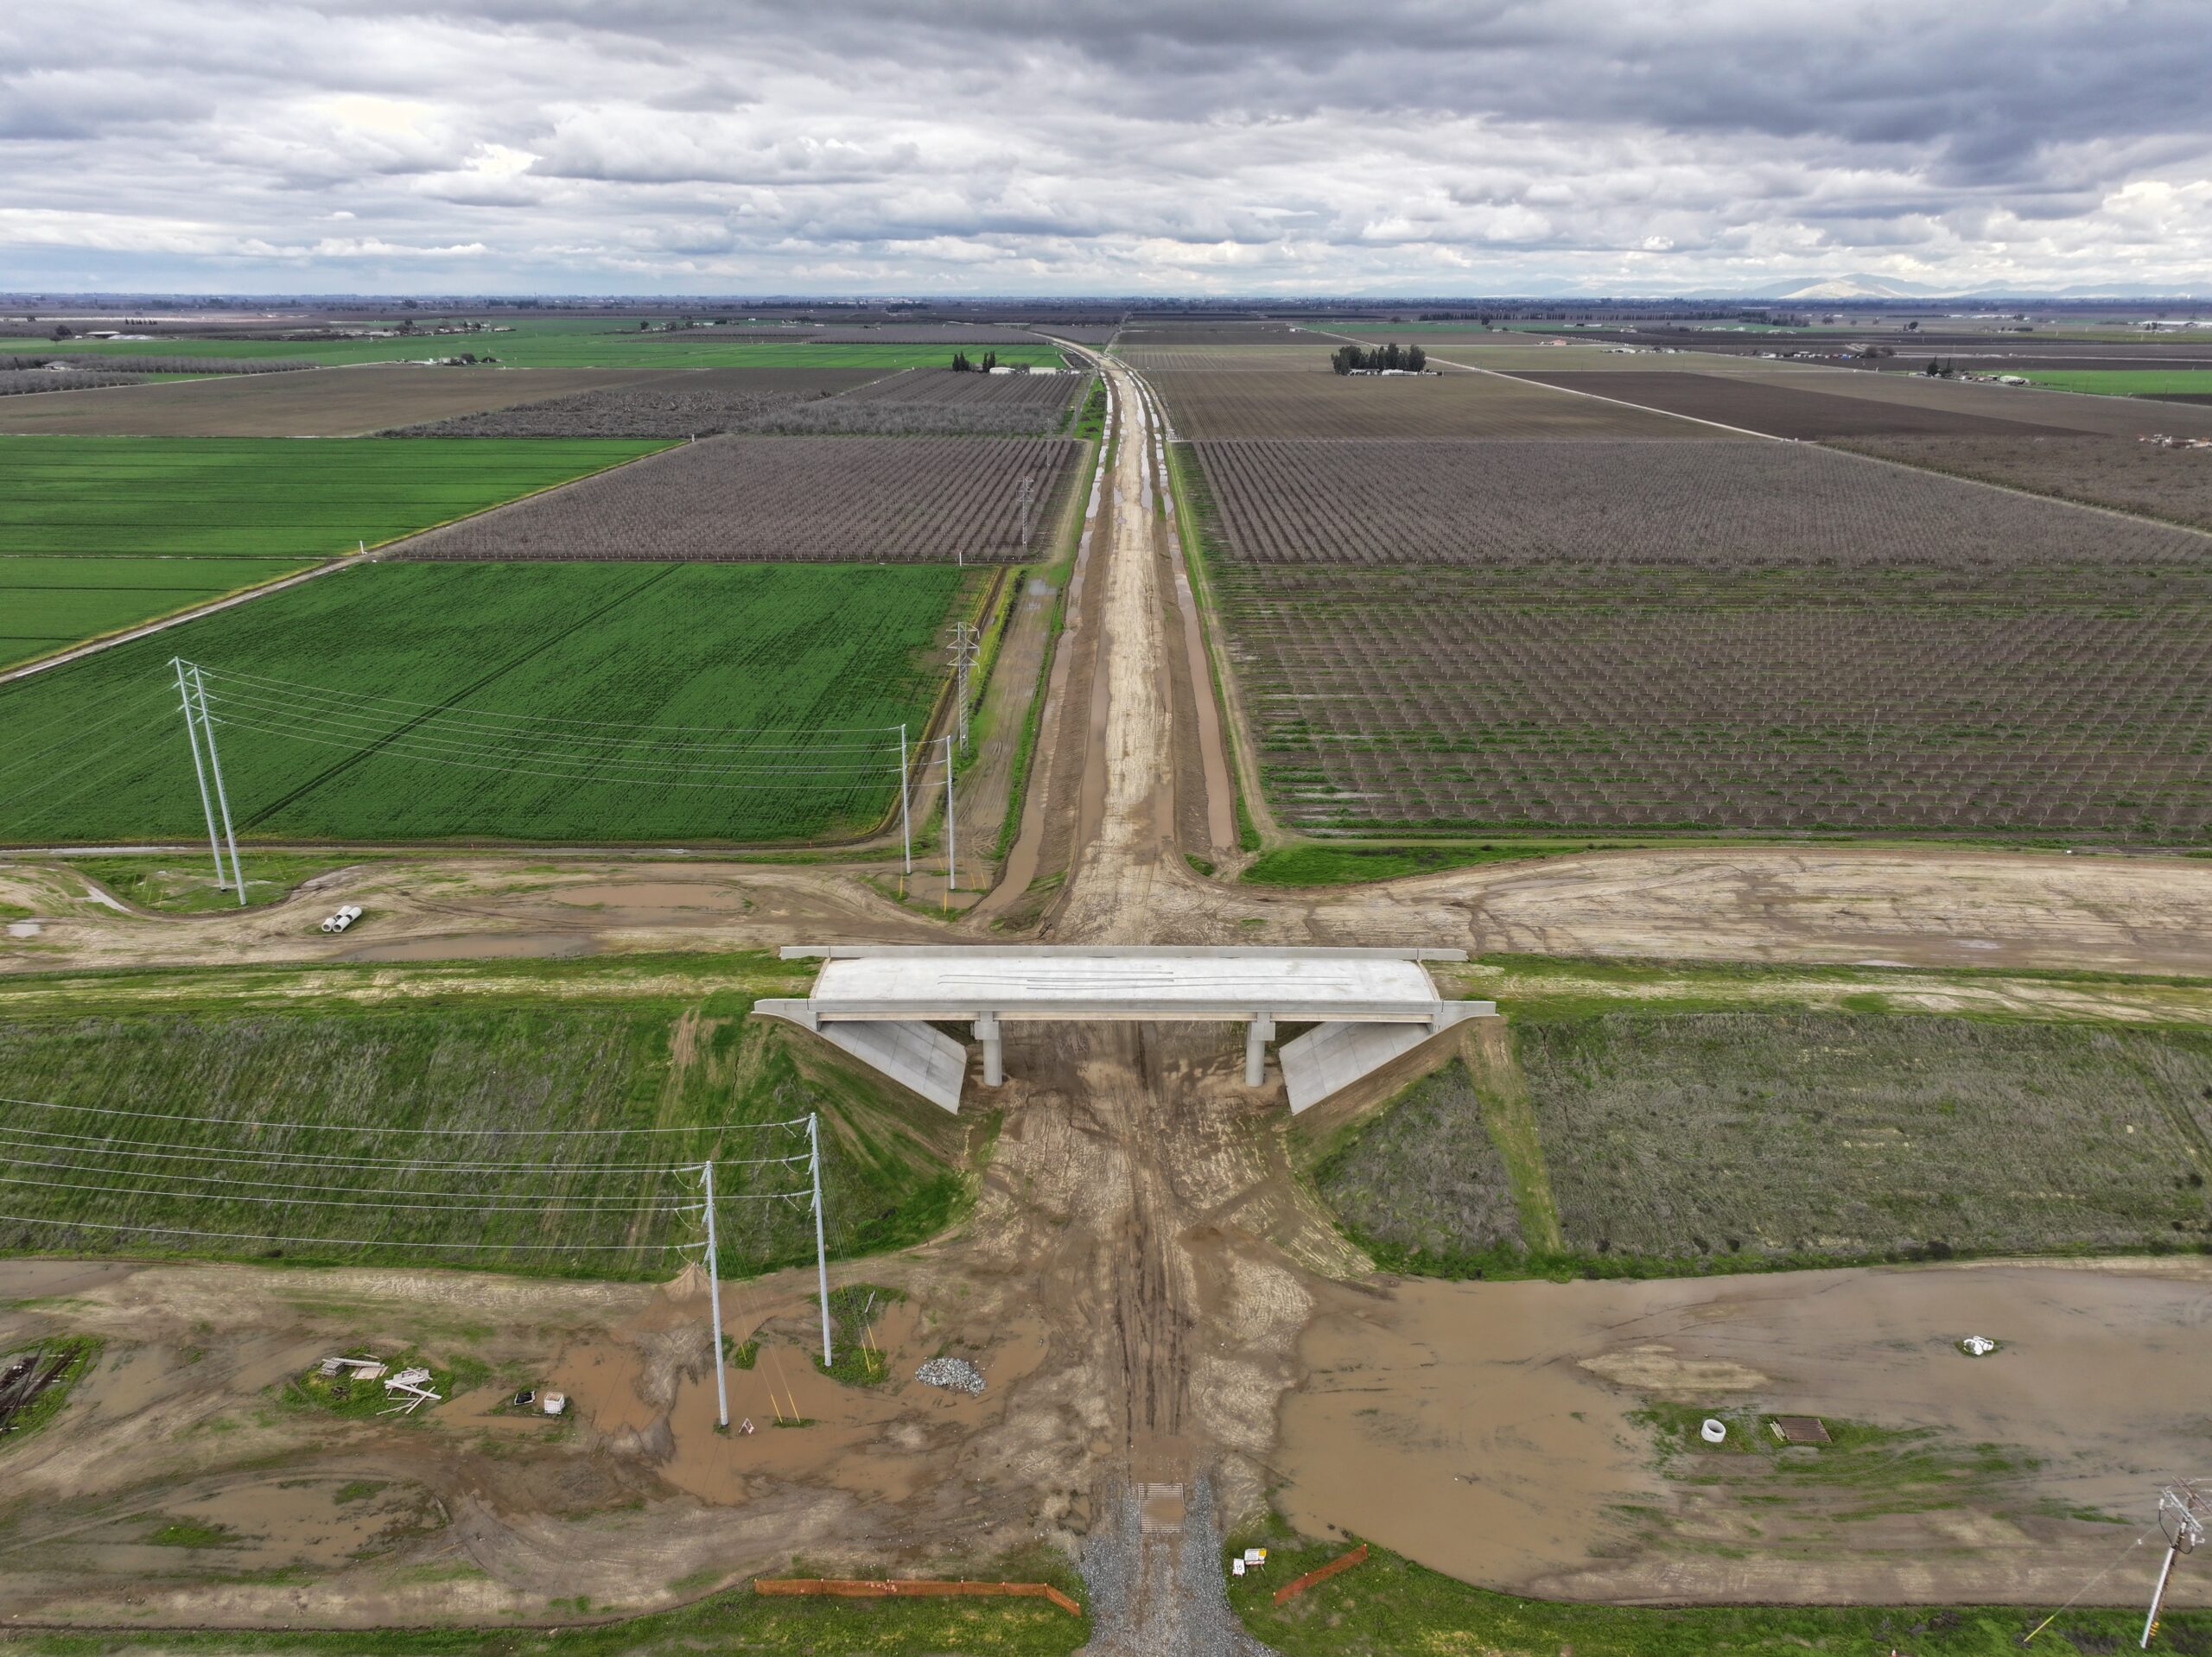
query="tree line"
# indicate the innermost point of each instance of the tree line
(1352, 360)
(961, 364)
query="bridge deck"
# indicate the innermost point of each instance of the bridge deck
(878, 1002)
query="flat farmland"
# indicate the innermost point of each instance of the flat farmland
(272, 1125)
(1153, 336)
(2057, 411)
(2140, 382)
(2119, 472)
(589, 344)
(935, 402)
(1705, 636)
(1781, 411)
(1763, 1137)
(277, 498)
(666, 403)
(1147, 361)
(1565, 696)
(47, 604)
(1724, 503)
(875, 499)
(1324, 404)
(348, 403)
(571, 703)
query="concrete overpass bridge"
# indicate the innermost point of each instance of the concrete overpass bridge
(880, 1003)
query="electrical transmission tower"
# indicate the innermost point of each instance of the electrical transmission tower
(967, 646)
(1022, 497)
(2185, 1514)
(192, 690)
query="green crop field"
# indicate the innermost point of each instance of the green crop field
(2127, 381)
(596, 343)
(378, 1135)
(393, 702)
(237, 496)
(48, 603)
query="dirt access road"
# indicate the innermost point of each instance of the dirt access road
(1148, 1289)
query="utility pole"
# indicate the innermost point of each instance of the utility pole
(821, 1257)
(1021, 499)
(905, 818)
(2185, 1513)
(951, 831)
(216, 764)
(200, 771)
(714, 1292)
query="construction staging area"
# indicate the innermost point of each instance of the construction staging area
(1105, 1294)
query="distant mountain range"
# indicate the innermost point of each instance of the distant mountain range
(1856, 287)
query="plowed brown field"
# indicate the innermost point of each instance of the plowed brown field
(1784, 411)
(1449, 404)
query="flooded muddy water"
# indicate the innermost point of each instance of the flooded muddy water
(1485, 1429)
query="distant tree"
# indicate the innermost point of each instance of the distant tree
(643, 326)
(960, 363)
(1346, 358)
(990, 360)
(62, 331)
(1934, 368)
(1416, 358)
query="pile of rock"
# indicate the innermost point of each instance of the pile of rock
(956, 1374)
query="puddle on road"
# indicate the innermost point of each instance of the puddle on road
(1482, 1428)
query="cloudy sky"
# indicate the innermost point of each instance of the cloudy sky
(1149, 146)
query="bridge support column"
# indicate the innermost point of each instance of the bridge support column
(987, 1032)
(1257, 1035)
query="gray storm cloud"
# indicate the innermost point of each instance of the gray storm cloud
(999, 146)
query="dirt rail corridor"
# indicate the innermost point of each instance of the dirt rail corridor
(1169, 1326)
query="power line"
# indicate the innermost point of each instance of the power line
(339, 1128)
(342, 714)
(463, 1204)
(343, 1242)
(40, 1139)
(495, 713)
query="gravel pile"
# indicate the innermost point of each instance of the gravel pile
(956, 1374)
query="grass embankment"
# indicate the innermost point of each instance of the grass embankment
(1196, 508)
(661, 1080)
(1090, 419)
(113, 532)
(737, 1619)
(1389, 1606)
(562, 701)
(185, 884)
(1593, 1140)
